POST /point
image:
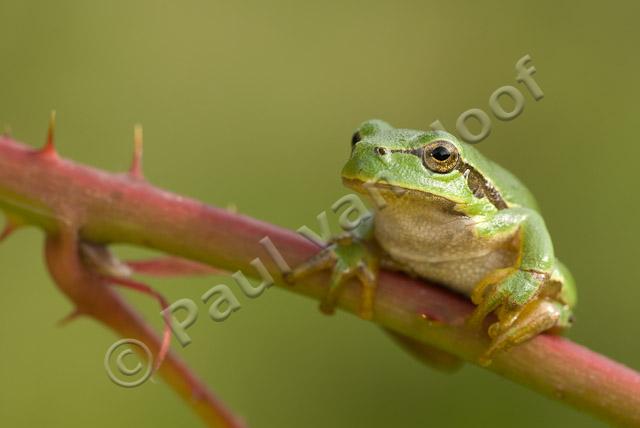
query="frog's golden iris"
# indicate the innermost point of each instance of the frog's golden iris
(441, 156)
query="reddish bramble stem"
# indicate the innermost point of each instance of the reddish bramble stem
(49, 191)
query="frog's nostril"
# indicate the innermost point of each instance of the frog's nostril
(381, 151)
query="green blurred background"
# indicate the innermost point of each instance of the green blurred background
(254, 103)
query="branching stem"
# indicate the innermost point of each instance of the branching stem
(104, 208)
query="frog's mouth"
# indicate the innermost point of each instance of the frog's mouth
(367, 187)
(375, 189)
(355, 184)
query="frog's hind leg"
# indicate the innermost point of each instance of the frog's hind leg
(517, 325)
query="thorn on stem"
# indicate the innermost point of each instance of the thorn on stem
(136, 164)
(8, 230)
(10, 226)
(70, 317)
(49, 148)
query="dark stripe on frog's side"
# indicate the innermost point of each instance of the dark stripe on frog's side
(479, 185)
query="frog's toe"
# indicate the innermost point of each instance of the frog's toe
(367, 275)
(341, 274)
(325, 259)
(488, 283)
(338, 279)
(537, 316)
(488, 295)
(491, 300)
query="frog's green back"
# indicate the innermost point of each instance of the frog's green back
(512, 190)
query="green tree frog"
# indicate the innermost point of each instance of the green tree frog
(445, 213)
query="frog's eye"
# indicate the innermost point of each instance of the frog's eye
(440, 156)
(355, 138)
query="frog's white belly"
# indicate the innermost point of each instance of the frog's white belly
(435, 243)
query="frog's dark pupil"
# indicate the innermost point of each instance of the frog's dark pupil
(440, 153)
(355, 138)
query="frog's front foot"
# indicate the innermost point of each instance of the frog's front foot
(523, 312)
(347, 256)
